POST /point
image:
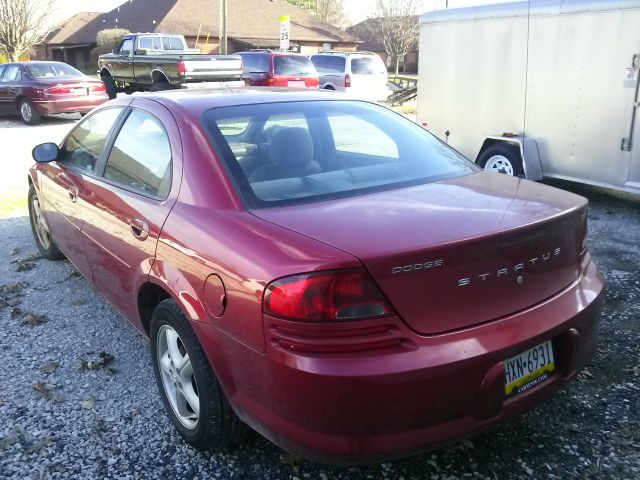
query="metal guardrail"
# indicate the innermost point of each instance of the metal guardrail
(406, 88)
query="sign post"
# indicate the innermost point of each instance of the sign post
(285, 21)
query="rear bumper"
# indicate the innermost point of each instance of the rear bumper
(420, 394)
(222, 84)
(68, 105)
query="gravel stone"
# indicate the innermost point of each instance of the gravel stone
(591, 429)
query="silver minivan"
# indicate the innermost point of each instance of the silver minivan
(362, 74)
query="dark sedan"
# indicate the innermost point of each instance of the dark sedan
(35, 89)
(320, 269)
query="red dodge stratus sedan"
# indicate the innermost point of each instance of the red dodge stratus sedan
(320, 269)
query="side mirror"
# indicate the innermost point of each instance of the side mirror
(45, 152)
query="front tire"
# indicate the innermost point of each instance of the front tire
(502, 158)
(28, 113)
(191, 394)
(42, 236)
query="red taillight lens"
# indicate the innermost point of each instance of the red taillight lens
(57, 90)
(347, 80)
(329, 296)
(98, 88)
(182, 69)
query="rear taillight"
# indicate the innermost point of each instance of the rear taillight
(57, 90)
(327, 296)
(347, 80)
(182, 69)
(98, 88)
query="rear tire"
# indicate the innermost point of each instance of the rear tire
(160, 86)
(110, 86)
(191, 394)
(28, 113)
(502, 158)
(41, 235)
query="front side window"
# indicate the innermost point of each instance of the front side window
(140, 158)
(127, 46)
(2, 67)
(306, 151)
(85, 143)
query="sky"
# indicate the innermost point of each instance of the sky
(357, 10)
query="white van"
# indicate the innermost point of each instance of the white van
(362, 74)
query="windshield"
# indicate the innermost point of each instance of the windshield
(293, 65)
(296, 152)
(57, 70)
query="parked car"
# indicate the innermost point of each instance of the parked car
(158, 61)
(264, 68)
(35, 89)
(362, 74)
(320, 268)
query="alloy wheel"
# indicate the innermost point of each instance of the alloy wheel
(178, 378)
(40, 226)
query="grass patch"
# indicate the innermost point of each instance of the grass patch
(13, 204)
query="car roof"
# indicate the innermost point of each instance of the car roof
(194, 102)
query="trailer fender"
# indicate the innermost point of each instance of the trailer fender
(528, 148)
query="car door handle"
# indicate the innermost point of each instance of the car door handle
(139, 228)
(73, 194)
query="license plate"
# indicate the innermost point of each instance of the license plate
(79, 91)
(528, 369)
(298, 84)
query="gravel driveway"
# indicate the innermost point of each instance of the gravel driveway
(78, 400)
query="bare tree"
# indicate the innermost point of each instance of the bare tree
(397, 27)
(23, 25)
(331, 11)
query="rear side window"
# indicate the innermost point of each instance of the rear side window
(172, 43)
(84, 145)
(293, 65)
(141, 156)
(329, 63)
(150, 43)
(366, 66)
(12, 74)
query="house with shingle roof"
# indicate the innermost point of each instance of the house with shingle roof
(250, 24)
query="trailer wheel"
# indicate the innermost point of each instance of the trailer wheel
(502, 158)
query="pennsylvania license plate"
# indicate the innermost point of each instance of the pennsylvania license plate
(296, 83)
(79, 91)
(528, 369)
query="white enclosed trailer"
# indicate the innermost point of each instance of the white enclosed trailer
(539, 89)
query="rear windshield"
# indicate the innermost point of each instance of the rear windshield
(328, 63)
(297, 152)
(56, 70)
(367, 66)
(293, 65)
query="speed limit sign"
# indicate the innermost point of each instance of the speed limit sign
(285, 21)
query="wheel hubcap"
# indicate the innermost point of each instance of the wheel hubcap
(178, 379)
(39, 225)
(499, 164)
(25, 109)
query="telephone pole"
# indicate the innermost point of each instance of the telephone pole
(222, 36)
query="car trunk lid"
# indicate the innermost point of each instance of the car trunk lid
(457, 253)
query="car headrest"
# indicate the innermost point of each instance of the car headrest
(291, 146)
